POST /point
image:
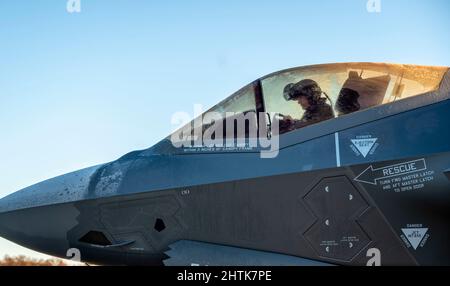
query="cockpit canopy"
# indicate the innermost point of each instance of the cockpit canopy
(345, 88)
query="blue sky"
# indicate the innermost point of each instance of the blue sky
(85, 88)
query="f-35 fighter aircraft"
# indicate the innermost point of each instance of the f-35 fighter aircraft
(360, 176)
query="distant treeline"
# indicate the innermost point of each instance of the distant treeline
(27, 261)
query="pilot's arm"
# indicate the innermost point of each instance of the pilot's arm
(289, 124)
(286, 124)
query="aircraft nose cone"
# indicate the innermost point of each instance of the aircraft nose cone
(39, 217)
(66, 188)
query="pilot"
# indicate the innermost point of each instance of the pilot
(308, 94)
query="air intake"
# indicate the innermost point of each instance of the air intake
(95, 237)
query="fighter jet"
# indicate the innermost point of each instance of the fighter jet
(335, 164)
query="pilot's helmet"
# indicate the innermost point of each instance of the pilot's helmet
(307, 87)
(287, 92)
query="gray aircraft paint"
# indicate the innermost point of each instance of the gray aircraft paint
(158, 183)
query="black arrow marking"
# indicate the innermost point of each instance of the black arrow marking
(371, 175)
